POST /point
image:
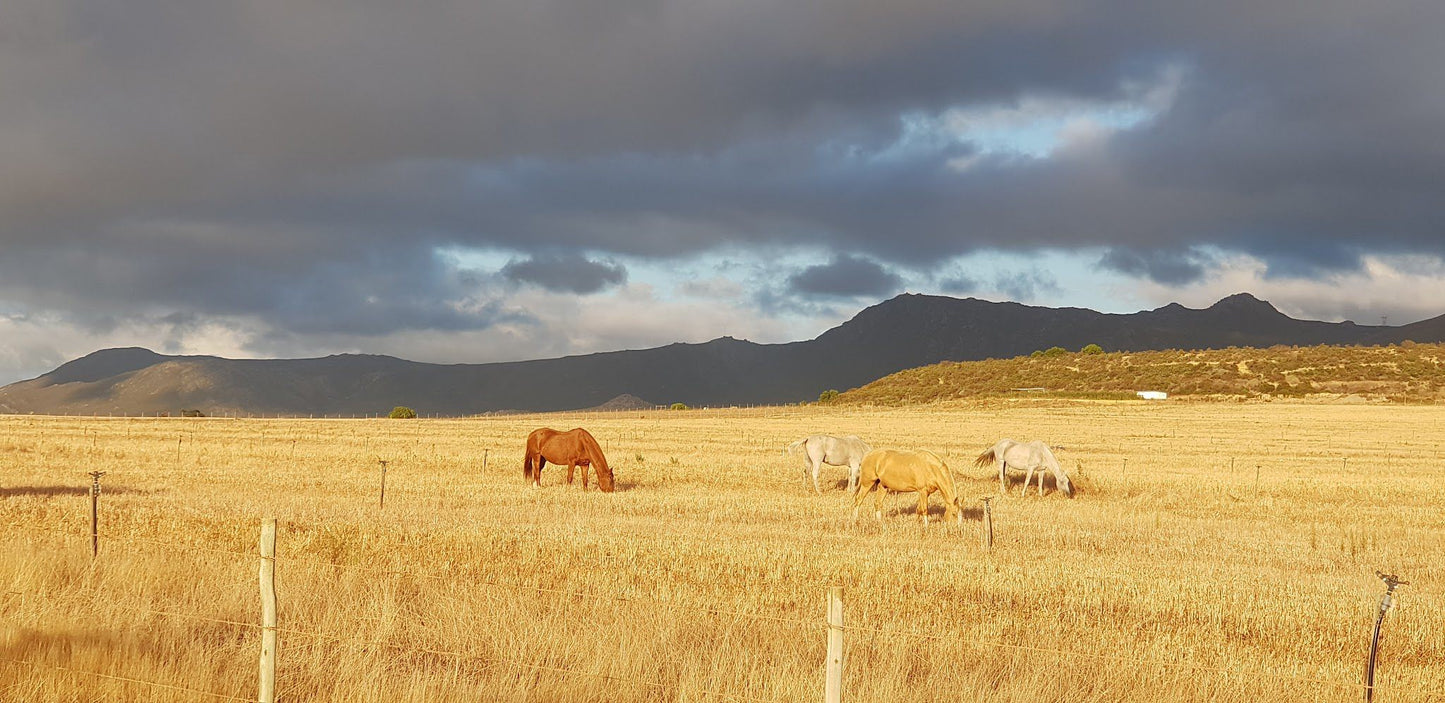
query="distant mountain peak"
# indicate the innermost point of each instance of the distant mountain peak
(1242, 299)
(1244, 303)
(103, 364)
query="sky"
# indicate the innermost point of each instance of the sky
(470, 182)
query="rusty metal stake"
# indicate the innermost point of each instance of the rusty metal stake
(95, 513)
(1391, 581)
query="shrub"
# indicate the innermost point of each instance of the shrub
(1092, 349)
(679, 406)
(828, 396)
(401, 412)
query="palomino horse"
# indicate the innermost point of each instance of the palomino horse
(574, 448)
(896, 471)
(1033, 456)
(833, 451)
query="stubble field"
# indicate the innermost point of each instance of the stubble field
(1216, 552)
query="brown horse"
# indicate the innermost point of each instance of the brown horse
(574, 448)
(905, 472)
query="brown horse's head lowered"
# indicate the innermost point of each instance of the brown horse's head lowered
(574, 448)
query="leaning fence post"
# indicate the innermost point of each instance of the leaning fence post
(1391, 581)
(833, 687)
(987, 523)
(485, 452)
(266, 691)
(95, 513)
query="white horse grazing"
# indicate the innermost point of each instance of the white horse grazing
(1033, 456)
(834, 451)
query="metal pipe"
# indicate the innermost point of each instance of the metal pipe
(1391, 581)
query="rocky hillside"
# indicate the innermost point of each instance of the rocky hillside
(1408, 372)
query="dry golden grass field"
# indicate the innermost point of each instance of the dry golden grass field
(1176, 574)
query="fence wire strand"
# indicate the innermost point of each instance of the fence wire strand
(114, 677)
(981, 644)
(404, 649)
(555, 591)
(618, 598)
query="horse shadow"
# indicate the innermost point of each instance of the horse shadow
(1012, 482)
(65, 491)
(935, 511)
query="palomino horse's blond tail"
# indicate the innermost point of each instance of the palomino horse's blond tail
(985, 459)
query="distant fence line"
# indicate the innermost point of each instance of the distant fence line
(225, 415)
(835, 631)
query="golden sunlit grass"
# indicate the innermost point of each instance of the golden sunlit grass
(1175, 575)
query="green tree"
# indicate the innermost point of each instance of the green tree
(1092, 349)
(401, 412)
(679, 406)
(828, 396)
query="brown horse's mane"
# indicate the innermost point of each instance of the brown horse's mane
(594, 450)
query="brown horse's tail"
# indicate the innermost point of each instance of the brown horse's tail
(985, 459)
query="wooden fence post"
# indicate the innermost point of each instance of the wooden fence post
(485, 452)
(266, 691)
(833, 687)
(383, 463)
(95, 513)
(987, 523)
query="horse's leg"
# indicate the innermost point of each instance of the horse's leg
(855, 467)
(1028, 478)
(585, 467)
(537, 471)
(1002, 484)
(860, 497)
(923, 506)
(878, 502)
(817, 464)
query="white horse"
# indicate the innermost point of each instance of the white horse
(1033, 456)
(834, 451)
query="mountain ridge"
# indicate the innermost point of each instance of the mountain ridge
(907, 331)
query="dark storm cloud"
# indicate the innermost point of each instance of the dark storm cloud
(1025, 285)
(566, 272)
(958, 285)
(1171, 268)
(846, 276)
(303, 165)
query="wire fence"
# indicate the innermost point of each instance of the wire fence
(798, 624)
